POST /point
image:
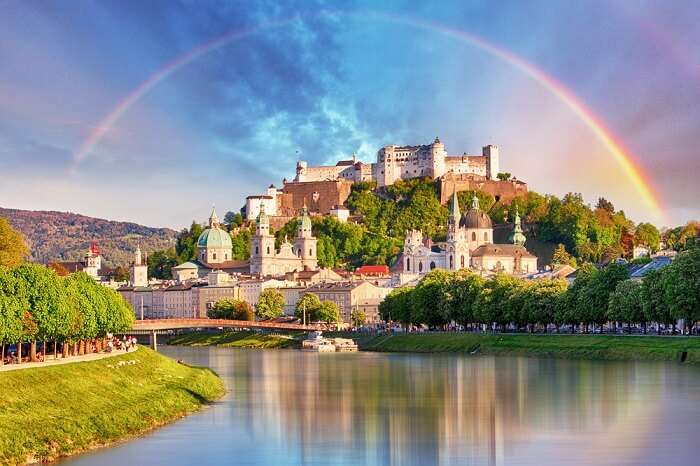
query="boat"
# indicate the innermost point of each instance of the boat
(317, 343)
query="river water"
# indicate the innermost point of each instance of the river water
(287, 407)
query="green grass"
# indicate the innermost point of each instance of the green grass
(49, 412)
(564, 346)
(244, 339)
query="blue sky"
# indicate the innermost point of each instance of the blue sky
(321, 80)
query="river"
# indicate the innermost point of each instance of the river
(287, 407)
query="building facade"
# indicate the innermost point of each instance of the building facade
(351, 296)
(469, 244)
(266, 260)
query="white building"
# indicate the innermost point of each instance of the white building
(469, 245)
(138, 274)
(269, 201)
(404, 162)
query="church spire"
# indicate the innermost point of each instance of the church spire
(213, 219)
(517, 237)
(454, 209)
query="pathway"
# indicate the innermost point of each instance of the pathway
(56, 362)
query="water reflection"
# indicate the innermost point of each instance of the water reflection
(288, 407)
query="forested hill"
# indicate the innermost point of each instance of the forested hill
(66, 236)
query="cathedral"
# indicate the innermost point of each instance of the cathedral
(469, 245)
(265, 259)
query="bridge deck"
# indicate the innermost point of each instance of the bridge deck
(172, 324)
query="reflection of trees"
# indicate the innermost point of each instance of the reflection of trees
(415, 409)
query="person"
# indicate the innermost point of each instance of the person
(133, 342)
(110, 346)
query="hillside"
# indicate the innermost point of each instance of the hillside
(66, 236)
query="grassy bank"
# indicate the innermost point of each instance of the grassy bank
(563, 346)
(57, 411)
(245, 339)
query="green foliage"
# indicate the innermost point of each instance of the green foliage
(647, 235)
(625, 303)
(186, 244)
(430, 299)
(397, 306)
(161, 263)
(681, 283)
(241, 243)
(309, 303)
(358, 318)
(493, 304)
(270, 304)
(562, 257)
(13, 303)
(465, 288)
(593, 301)
(504, 176)
(653, 300)
(328, 312)
(233, 219)
(232, 309)
(12, 247)
(681, 238)
(542, 301)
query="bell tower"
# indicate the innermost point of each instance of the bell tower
(262, 247)
(305, 243)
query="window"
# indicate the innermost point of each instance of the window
(432, 265)
(462, 261)
(420, 266)
(268, 249)
(451, 262)
(408, 264)
(257, 250)
(311, 252)
(473, 236)
(486, 237)
(213, 256)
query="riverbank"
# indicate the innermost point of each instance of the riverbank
(243, 339)
(49, 412)
(604, 347)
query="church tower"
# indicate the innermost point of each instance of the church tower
(305, 243)
(262, 245)
(139, 270)
(457, 252)
(517, 237)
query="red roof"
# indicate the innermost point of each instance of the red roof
(94, 249)
(372, 270)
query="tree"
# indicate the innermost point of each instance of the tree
(120, 274)
(681, 282)
(605, 205)
(569, 310)
(647, 235)
(653, 302)
(233, 219)
(542, 301)
(492, 305)
(13, 304)
(161, 263)
(232, 309)
(562, 257)
(240, 243)
(309, 303)
(47, 303)
(13, 250)
(465, 288)
(270, 304)
(397, 306)
(358, 318)
(430, 299)
(595, 297)
(625, 303)
(186, 244)
(328, 312)
(504, 176)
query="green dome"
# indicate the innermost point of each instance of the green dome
(214, 238)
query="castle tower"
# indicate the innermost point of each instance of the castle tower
(517, 237)
(138, 275)
(305, 243)
(437, 158)
(492, 167)
(262, 248)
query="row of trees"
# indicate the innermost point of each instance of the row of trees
(36, 304)
(596, 298)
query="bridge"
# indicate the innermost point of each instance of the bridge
(153, 327)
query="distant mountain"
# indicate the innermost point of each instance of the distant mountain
(66, 236)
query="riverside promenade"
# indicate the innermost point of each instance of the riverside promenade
(49, 362)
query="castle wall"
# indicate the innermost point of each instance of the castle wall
(506, 191)
(320, 196)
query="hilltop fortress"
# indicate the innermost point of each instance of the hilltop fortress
(325, 188)
(405, 162)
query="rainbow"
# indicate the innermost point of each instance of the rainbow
(621, 155)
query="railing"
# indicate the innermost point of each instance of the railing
(161, 324)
